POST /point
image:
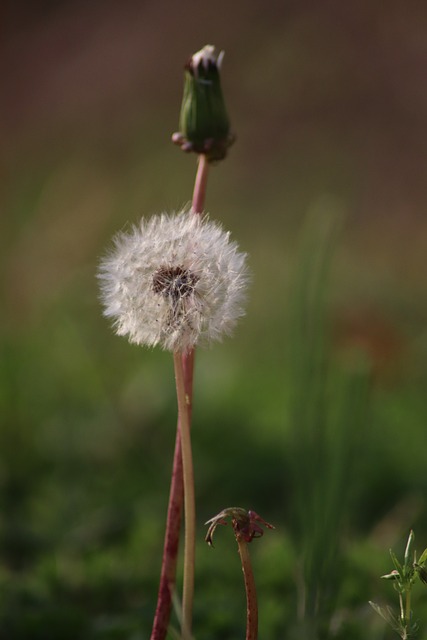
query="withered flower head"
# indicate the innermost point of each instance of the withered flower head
(245, 524)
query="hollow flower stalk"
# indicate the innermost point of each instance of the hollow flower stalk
(174, 281)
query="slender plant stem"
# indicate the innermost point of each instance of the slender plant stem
(189, 499)
(408, 608)
(173, 521)
(176, 496)
(170, 549)
(199, 193)
(251, 597)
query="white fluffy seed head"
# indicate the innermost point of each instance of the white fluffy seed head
(174, 281)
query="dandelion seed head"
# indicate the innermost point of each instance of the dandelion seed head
(175, 281)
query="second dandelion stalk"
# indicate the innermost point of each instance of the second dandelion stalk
(189, 497)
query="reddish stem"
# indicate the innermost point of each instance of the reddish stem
(170, 548)
(189, 498)
(199, 193)
(173, 520)
(251, 597)
(176, 494)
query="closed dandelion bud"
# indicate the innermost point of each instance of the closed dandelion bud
(204, 123)
(174, 281)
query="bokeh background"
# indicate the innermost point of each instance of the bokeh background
(314, 414)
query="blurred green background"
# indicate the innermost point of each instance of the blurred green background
(314, 414)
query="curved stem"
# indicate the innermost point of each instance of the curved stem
(189, 498)
(251, 597)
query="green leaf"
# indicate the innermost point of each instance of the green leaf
(388, 615)
(393, 575)
(421, 572)
(423, 558)
(396, 563)
(409, 554)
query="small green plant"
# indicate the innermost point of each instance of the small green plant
(404, 576)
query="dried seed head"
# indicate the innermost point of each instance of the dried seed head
(174, 281)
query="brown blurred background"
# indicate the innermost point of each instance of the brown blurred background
(324, 98)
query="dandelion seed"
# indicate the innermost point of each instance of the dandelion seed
(174, 281)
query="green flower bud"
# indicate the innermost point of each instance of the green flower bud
(204, 124)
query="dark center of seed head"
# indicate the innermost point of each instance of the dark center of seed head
(174, 282)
